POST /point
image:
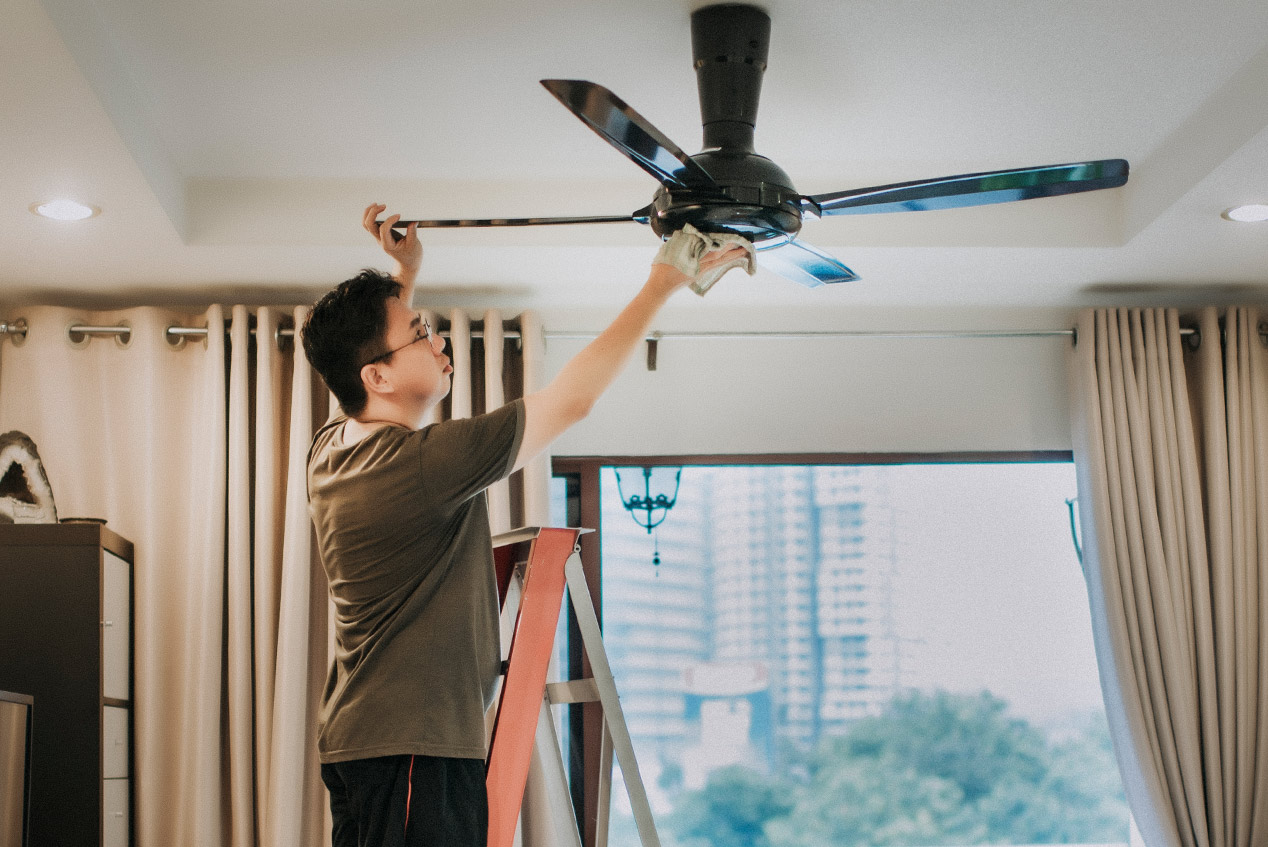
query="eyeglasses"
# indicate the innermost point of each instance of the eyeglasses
(422, 333)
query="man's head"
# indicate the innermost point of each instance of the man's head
(345, 329)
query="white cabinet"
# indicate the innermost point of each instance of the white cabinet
(114, 743)
(116, 617)
(115, 822)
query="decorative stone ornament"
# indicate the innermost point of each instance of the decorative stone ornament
(25, 495)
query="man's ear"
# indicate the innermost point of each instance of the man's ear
(375, 380)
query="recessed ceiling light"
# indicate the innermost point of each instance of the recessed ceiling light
(1250, 213)
(64, 210)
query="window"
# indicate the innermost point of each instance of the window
(896, 655)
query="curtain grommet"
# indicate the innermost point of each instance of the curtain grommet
(283, 334)
(175, 340)
(123, 338)
(77, 340)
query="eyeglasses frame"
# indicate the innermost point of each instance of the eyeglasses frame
(425, 326)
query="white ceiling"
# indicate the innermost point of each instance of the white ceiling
(232, 146)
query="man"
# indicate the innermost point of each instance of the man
(403, 532)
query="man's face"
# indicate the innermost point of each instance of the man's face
(417, 365)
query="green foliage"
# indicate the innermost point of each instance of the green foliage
(731, 809)
(670, 776)
(932, 769)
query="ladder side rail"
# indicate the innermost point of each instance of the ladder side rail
(549, 754)
(614, 718)
(605, 787)
(524, 683)
(511, 591)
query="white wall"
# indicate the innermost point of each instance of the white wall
(851, 395)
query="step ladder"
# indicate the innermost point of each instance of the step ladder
(534, 566)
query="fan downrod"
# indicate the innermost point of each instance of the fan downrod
(729, 45)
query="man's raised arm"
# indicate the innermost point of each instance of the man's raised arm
(571, 394)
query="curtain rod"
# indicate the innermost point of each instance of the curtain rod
(19, 327)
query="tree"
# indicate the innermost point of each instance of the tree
(856, 802)
(968, 740)
(732, 809)
(932, 768)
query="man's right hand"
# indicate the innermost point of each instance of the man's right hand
(669, 278)
(406, 250)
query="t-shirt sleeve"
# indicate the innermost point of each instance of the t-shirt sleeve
(460, 458)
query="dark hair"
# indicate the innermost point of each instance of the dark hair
(344, 329)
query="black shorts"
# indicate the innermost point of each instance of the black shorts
(410, 801)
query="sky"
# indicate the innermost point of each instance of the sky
(989, 592)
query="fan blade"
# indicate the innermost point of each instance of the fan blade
(631, 133)
(641, 216)
(972, 189)
(808, 265)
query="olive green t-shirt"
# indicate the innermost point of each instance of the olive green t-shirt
(403, 532)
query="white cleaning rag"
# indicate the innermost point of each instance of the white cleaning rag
(686, 247)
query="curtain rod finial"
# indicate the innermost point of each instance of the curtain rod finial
(16, 330)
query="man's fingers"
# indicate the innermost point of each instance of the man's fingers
(368, 219)
(388, 240)
(718, 257)
(386, 237)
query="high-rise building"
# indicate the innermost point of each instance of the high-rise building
(655, 620)
(803, 559)
(854, 571)
(781, 571)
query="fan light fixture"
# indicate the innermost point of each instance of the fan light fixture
(1250, 213)
(64, 210)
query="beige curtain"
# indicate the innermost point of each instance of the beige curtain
(195, 452)
(488, 372)
(491, 369)
(1172, 453)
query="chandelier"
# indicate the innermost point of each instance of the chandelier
(649, 510)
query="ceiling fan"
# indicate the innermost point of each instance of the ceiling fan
(727, 187)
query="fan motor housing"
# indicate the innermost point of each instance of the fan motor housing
(759, 201)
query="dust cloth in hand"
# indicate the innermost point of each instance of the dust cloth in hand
(686, 247)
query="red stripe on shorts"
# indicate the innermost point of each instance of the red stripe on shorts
(409, 791)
